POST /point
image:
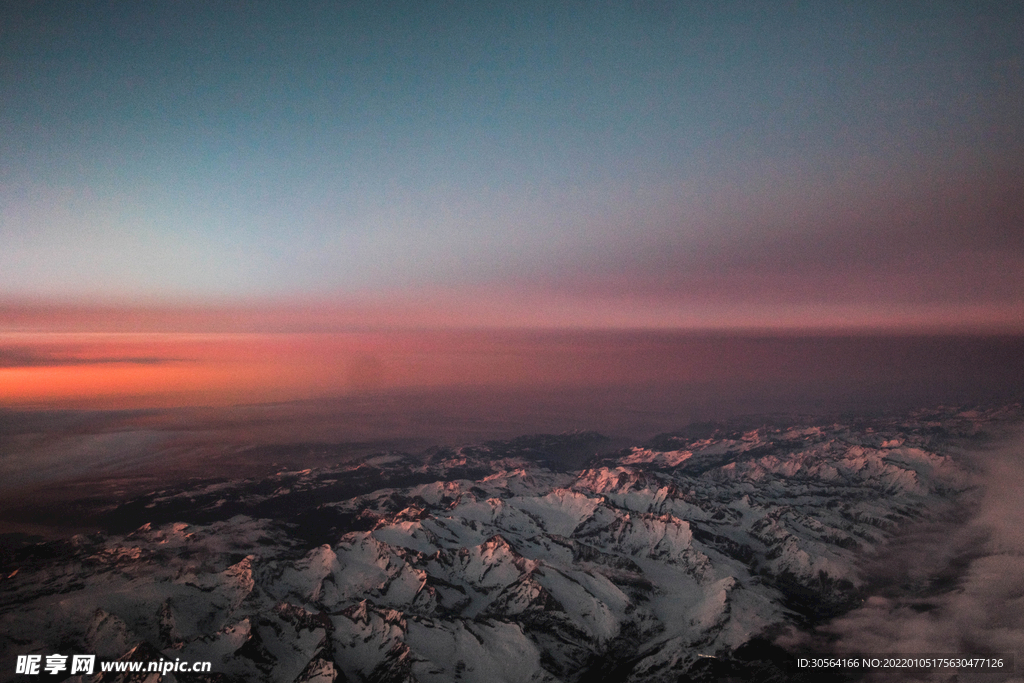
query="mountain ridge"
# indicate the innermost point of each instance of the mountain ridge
(676, 557)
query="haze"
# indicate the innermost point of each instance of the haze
(658, 209)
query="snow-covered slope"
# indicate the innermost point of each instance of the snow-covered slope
(488, 563)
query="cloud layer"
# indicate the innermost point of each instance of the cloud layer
(955, 587)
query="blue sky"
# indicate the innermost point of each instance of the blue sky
(697, 161)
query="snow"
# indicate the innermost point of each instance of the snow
(459, 578)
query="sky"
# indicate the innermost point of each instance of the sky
(258, 168)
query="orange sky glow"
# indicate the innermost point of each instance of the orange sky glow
(152, 356)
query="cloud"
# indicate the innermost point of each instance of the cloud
(956, 587)
(25, 357)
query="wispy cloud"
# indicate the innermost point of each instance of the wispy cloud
(953, 587)
(26, 357)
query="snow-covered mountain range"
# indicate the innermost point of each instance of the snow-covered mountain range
(497, 562)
